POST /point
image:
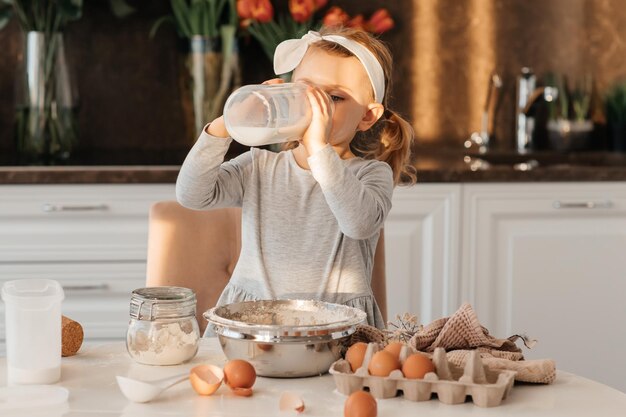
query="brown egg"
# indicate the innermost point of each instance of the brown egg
(266, 347)
(394, 348)
(355, 355)
(383, 363)
(360, 404)
(416, 366)
(239, 374)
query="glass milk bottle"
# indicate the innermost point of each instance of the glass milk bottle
(257, 115)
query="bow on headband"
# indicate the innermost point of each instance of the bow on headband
(289, 54)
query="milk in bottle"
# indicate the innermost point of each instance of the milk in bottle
(257, 115)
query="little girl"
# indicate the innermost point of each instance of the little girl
(312, 214)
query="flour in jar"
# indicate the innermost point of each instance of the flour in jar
(163, 343)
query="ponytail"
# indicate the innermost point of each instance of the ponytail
(390, 141)
(396, 140)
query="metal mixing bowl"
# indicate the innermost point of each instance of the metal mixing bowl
(284, 338)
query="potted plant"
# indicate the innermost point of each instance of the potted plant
(209, 28)
(46, 128)
(569, 126)
(47, 101)
(616, 116)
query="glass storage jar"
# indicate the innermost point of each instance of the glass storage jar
(163, 329)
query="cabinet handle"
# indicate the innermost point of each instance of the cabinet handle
(94, 287)
(49, 208)
(583, 204)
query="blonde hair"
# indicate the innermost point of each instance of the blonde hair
(391, 137)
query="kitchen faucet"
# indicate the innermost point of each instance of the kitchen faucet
(527, 95)
(482, 138)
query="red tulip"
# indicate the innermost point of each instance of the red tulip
(263, 12)
(335, 17)
(259, 10)
(244, 9)
(320, 3)
(301, 10)
(357, 22)
(380, 22)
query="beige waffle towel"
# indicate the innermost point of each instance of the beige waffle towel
(461, 333)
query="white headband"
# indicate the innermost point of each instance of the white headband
(289, 54)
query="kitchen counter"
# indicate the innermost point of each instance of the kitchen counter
(120, 174)
(90, 379)
(433, 165)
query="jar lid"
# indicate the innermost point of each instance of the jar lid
(162, 302)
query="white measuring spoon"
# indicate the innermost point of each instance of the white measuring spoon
(144, 391)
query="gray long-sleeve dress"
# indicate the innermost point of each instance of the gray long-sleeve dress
(308, 234)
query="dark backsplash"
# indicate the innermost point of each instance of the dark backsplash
(130, 85)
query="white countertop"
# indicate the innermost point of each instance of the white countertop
(90, 378)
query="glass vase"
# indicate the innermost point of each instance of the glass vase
(570, 135)
(213, 74)
(46, 108)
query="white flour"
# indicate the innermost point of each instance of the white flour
(287, 315)
(167, 344)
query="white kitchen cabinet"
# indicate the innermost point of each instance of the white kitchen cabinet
(547, 259)
(550, 260)
(421, 251)
(91, 238)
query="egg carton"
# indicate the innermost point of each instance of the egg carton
(451, 383)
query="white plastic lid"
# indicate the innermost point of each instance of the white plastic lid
(45, 291)
(30, 396)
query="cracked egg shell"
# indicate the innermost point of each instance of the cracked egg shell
(206, 379)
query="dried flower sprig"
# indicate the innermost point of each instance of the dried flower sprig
(404, 328)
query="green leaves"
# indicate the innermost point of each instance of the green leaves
(199, 17)
(616, 103)
(578, 98)
(70, 9)
(157, 24)
(50, 15)
(6, 12)
(270, 34)
(120, 8)
(581, 97)
(41, 15)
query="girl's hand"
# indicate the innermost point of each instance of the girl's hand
(274, 81)
(317, 134)
(218, 128)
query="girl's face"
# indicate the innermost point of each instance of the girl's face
(345, 80)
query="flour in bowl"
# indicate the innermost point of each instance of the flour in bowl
(282, 313)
